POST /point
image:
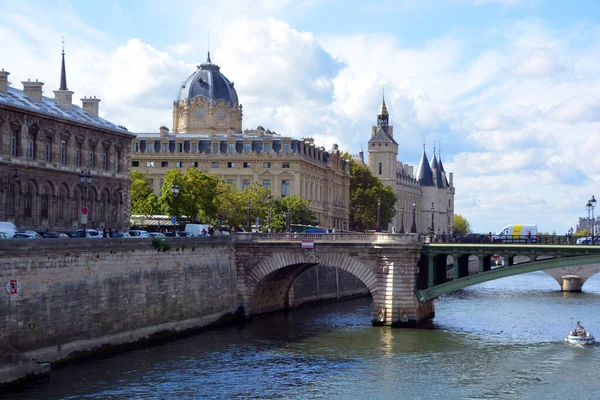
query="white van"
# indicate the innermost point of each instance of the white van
(197, 229)
(9, 228)
(522, 233)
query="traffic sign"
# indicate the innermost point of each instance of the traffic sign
(257, 220)
(174, 219)
(84, 210)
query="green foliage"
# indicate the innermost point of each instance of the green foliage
(365, 191)
(143, 200)
(461, 225)
(196, 197)
(161, 244)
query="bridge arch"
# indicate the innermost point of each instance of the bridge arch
(269, 280)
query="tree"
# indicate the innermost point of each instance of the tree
(365, 191)
(143, 200)
(461, 225)
(196, 197)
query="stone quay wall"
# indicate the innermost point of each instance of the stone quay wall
(80, 296)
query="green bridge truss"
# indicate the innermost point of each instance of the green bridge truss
(433, 264)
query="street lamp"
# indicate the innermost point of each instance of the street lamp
(378, 229)
(269, 220)
(248, 227)
(85, 178)
(402, 221)
(590, 207)
(432, 225)
(413, 228)
(287, 219)
(175, 191)
(220, 222)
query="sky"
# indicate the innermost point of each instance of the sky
(506, 89)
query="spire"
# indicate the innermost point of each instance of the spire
(382, 115)
(63, 71)
(424, 173)
(208, 57)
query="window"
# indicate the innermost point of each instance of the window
(162, 182)
(247, 148)
(136, 147)
(267, 148)
(150, 181)
(267, 184)
(247, 164)
(285, 164)
(194, 147)
(215, 164)
(135, 163)
(231, 148)
(285, 187)
(14, 144)
(221, 113)
(267, 164)
(165, 147)
(164, 164)
(194, 164)
(150, 147)
(105, 159)
(149, 164)
(245, 184)
(179, 164)
(28, 202)
(44, 205)
(78, 155)
(31, 146)
(215, 148)
(380, 168)
(200, 113)
(231, 182)
(180, 147)
(117, 161)
(48, 149)
(231, 164)
(63, 152)
(286, 148)
(92, 152)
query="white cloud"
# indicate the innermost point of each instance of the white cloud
(575, 110)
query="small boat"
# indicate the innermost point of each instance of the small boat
(580, 336)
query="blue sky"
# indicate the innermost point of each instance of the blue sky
(510, 87)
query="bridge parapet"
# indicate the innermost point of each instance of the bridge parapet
(395, 238)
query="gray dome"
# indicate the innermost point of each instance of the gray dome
(209, 83)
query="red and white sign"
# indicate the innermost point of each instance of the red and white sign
(308, 244)
(84, 210)
(13, 287)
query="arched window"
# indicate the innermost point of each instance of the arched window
(114, 209)
(10, 201)
(61, 204)
(28, 202)
(102, 208)
(44, 203)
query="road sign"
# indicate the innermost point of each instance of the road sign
(257, 220)
(84, 219)
(174, 219)
(84, 210)
(308, 244)
(13, 287)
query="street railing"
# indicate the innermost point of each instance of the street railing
(298, 237)
(566, 240)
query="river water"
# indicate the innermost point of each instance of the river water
(499, 340)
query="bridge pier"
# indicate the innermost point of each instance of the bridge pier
(571, 283)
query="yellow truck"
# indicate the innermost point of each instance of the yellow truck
(517, 233)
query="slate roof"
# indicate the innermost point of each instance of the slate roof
(424, 173)
(207, 81)
(17, 98)
(435, 165)
(446, 184)
(381, 137)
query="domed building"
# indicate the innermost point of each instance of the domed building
(207, 102)
(207, 134)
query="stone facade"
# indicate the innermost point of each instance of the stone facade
(207, 134)
(46, 146)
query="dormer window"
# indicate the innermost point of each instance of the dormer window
(221, 113)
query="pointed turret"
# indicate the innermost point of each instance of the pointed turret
(382, 115)
(435, 169)
(424, 173)
(63, 96)
(442, 170)
(63, 71)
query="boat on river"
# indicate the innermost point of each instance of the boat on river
(580, 335)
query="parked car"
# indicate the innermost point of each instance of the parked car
(184, 234)
(139, 233)
(8, 227)
(156, 234)
(472, 238)
(55, 235)
(586, 240)
(4, 235)
(27, 235)
(121, 235)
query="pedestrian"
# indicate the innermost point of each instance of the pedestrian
(393, 229)
(529, 237)
(110, 232)
(104, 232)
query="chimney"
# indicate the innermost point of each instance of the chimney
(33, 90)
(164, 131)
(4, 81)
(90, 105)
(64, 98)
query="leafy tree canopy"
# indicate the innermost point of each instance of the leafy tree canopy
(143, 200)
(461, 225)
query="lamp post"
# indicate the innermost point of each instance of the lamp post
(432, 224)
(269, 220)
(378, 229)
(248, 226)
(85, 178)
(413, 228)
(402, 221)
(593, 203)
(175, 191)
(287, 219)
(220, 221)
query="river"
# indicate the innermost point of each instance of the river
(498, 340)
